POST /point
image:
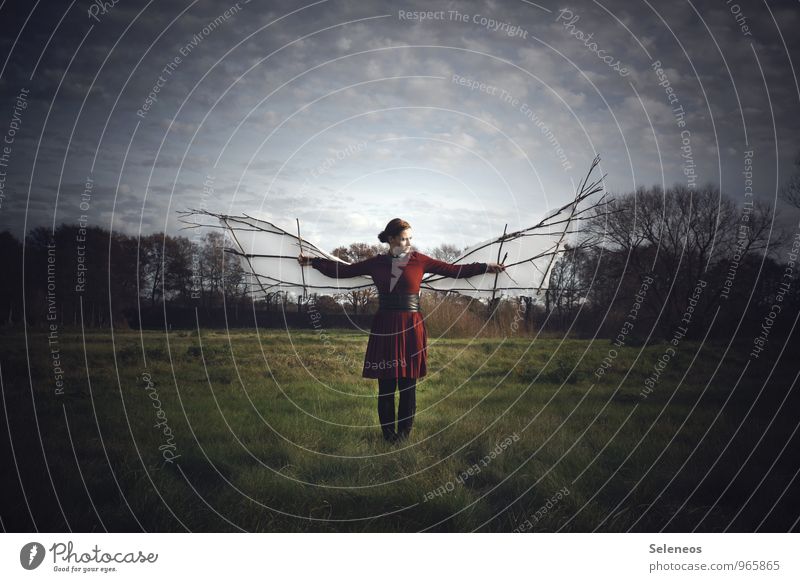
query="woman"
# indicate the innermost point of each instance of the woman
(397, 347)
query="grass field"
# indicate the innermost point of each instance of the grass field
(273, 431)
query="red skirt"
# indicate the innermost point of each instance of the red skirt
(397, 346)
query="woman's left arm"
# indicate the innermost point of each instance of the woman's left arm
(454, 271)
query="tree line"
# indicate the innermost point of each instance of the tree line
(87, 275)
(677, 255)
(657, 259)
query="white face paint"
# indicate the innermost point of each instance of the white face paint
(401, 243)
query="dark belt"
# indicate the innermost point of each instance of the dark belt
(398, 301)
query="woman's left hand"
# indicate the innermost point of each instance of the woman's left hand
(495, 268)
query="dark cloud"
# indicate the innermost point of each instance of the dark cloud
(337, 111)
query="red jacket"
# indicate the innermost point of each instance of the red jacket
(398, 340)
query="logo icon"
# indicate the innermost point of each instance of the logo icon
(31, 555)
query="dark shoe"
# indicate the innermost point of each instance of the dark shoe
(390, 436)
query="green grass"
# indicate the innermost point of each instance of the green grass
(277, 432)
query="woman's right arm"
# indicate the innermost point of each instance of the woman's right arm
(335, 269)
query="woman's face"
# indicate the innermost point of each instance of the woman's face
(400, 243)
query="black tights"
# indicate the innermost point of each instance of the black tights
(405, 411)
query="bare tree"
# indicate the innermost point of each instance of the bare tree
(151, 267)
(566, 287)
(220, 273)
(446, 252)
(681, 237)
(179, 251)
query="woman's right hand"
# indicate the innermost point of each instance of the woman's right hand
(304, 260)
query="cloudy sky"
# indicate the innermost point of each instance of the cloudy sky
(347, 114)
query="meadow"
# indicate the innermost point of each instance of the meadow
(275, 430)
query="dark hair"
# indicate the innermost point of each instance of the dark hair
(393, 228)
